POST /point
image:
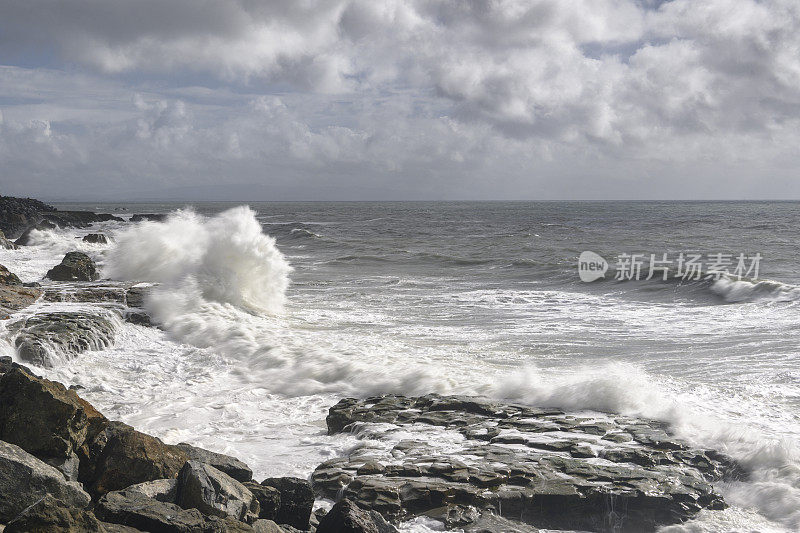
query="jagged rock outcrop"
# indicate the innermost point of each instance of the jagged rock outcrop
(24, 480)
(46, 419)
(45, 338)
(76, 266)
(269, 499)
(95, 238)
(297, 501)
(5, 243)
(50, 515)
(13, 294)
(119, 456)
(224, 463)
(539, 466)
(347, 517)
(16, 214)
(27, 236)
(212, 492)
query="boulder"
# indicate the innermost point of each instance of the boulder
(119, 456)
(163, 490)
(45, 339)
(45, 418)
(24, 480)
(225, 463)
(347, 517)
(533, 466)
(76, 266)
(297, 500)
(78, 219)
(49, 515)
(269, 499)
(212, 492)
(135, 510)
(96, 238)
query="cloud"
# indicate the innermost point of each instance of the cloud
(397, 96)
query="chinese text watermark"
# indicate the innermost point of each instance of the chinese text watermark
(685, 266)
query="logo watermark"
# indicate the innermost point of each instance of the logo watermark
(686, 266)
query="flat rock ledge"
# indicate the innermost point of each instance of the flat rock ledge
(463, 459)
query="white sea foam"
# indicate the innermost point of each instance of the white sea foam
(735, 290)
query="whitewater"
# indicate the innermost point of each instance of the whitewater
(269, 314)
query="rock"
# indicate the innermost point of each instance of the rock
(76, 266)
(297, 500)
(491, 523)
(120, 456)
(44, 339)
(24, 480)
(533, 465)
(266, 526)
(135, 510)
(153, 217)
(5, 243)
(96, 238)
(18, 213)
(212, 492)
(224, 463)
(49, 515)
(85, 293)
(27, 236)
(347, 517)
(134, 296)
(139, 319)
(119, 528)
(8, 278)
(163, 490)
(13, 294)
(269, 499)
(45, 419)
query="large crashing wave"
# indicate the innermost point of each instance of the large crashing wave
(225, 259)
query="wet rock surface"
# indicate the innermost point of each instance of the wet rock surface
(5, 243)
(24, 480)
(76, 266)
(45, 338)
(50, 515)
(13, 294)
(152, 217)
(454, 458)
(212, 492)
(16, 214)
(96, 238)
(297, 501)
(224, 463)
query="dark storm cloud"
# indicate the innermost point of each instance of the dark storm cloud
(400, 99)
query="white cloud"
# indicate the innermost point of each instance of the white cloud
(394, 94)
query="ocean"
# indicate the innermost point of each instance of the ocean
(270, 314)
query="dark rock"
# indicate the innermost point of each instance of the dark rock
(135, 510)
(84, 293)
(16, 214)
(26, 237)
(8, 278)
(269, 499)
(119, 528)
(76, 266)
(212, 492)
(24, 480)
(225, 463)
(347, 517)
(535, 465)
(49, 515)
(46, 419)
(96, 238)
(153, 217)
(44, 338)
(134, 296)
(139, 319)
(297, 500)
(120, 456)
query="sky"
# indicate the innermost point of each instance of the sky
(399, 99)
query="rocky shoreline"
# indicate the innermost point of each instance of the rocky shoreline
(470, 463)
